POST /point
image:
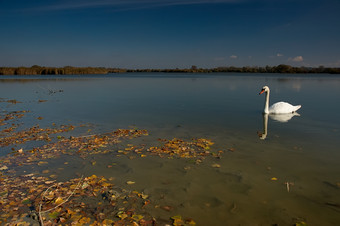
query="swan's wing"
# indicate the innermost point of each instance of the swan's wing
(283, 108)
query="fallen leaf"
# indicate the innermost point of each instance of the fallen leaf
(273, 179)
(190, 222)
(26, 201)
(216, 165)
(42, 163)
(59, 201)
(177, 220)
(53, 215)
(301, 223)
(167, 208)
(49, 182)
(122, 215)
(137, 217)
(130, 182)
(3, 168)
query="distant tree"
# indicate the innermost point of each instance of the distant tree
(283, 68)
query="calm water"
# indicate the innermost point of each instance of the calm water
(226, 109)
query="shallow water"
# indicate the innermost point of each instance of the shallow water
(224, 108)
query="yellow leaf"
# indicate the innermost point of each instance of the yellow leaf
(122, 215)
(137, 217)
(58, 201)
(143, 196)
(108, 222)
(190, 222)
(130, 182)
(42, 163)
(53, 215)
(93, 177)
(302, 223)
(274, 178)
(177, 220)
(85, 220)
(104, 184)
(176, 217)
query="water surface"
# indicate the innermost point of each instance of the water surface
(224, 108)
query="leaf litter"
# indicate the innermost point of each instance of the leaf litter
(91, 200)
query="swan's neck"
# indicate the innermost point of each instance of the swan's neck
(266, 103)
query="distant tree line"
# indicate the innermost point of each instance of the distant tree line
(68, 70)
(282, 68)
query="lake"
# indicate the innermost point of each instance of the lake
(244, 168)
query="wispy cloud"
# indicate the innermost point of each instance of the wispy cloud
(296, 59)
(233, 57)
(126, 4)
(279, 55)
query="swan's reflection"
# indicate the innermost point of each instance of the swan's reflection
(276, 117)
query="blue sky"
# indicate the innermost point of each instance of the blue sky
(169, 33)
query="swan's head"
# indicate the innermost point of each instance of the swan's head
(264, 89)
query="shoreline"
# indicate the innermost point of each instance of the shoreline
(69, 70)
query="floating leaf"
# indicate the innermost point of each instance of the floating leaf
(122, 215)
(26, 201)
(84, 220)
(177, 220)
(273, 179)
(190, 222)
(3, 168)
(108, 222)
(59, 201)
(130, 182)
(53, 215)
(137, 217)
(177, 217)
(301, 223)
(42, 163)
(216, 165)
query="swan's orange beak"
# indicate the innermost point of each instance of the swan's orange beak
(262, 91)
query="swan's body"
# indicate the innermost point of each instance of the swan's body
(279, 107)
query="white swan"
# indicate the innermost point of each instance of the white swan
(279, 107)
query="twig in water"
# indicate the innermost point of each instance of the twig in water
(288, 185)
(45, 211)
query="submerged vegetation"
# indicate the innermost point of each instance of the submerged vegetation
(68, 70)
